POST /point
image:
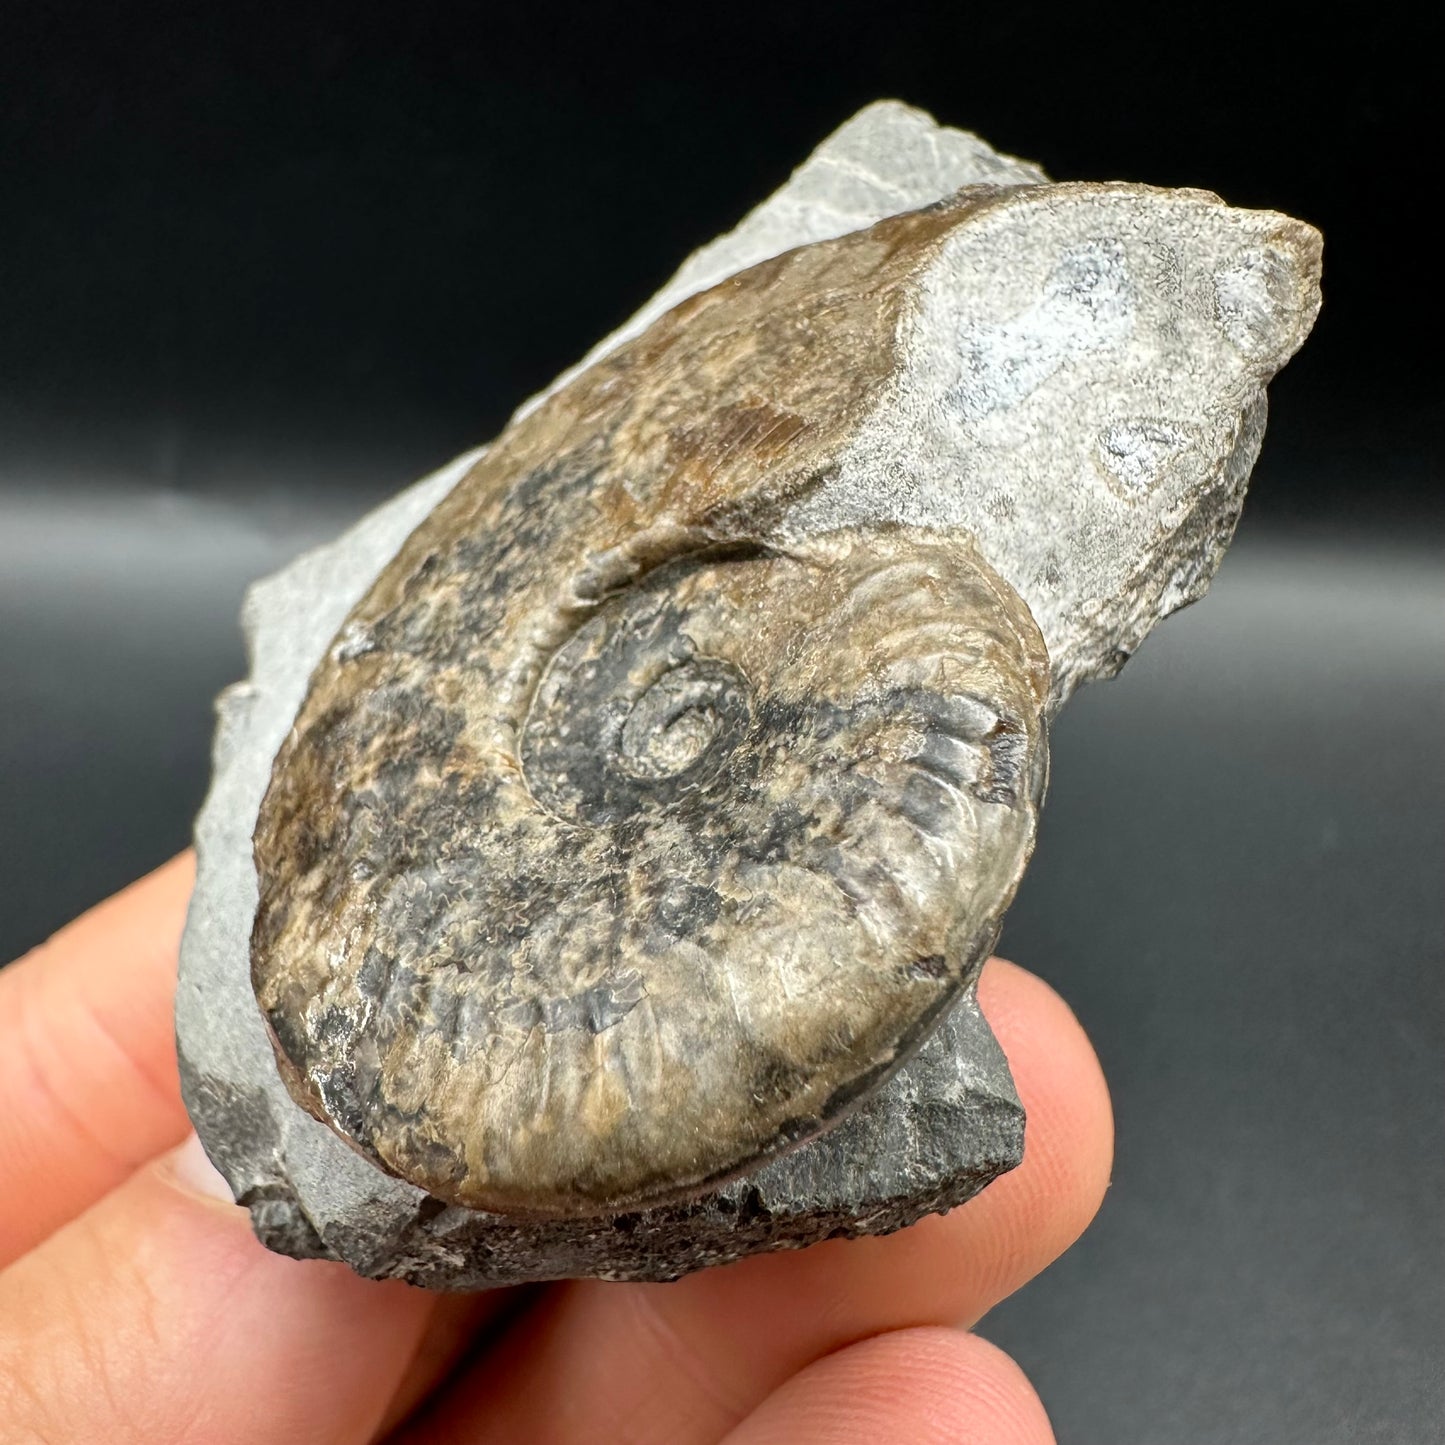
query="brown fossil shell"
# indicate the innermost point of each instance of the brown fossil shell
(624, 837)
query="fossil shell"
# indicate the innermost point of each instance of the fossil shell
(620, 843)
(676, 774)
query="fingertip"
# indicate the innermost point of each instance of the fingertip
(924, 1386)
(1069, 1133)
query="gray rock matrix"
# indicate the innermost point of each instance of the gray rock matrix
(1097, 573)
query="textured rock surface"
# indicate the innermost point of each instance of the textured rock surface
(1077, 379)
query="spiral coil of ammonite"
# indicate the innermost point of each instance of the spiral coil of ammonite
(624, 838)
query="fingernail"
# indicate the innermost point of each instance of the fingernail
(192, 1170)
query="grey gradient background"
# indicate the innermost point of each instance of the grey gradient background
(260, 270)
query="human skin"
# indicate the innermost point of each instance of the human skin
(135, 1304)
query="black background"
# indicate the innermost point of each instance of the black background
(260, 265)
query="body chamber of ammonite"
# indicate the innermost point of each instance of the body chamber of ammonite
(663, 794)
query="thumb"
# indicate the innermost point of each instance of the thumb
(156, 1316)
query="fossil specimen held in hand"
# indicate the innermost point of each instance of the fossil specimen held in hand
(660, 784)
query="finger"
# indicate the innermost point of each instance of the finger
(157, 1317)
(460, 1325)
(913, 1387)
(88, 1057)
(682, 1363)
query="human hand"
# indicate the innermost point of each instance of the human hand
(135, 1304)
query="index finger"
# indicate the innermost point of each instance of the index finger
(88, 1057)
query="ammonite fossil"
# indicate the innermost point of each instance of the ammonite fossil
(675, 776)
